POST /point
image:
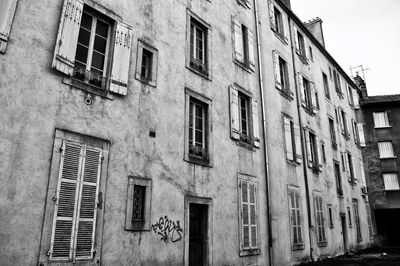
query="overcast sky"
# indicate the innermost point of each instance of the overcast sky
(360, 32)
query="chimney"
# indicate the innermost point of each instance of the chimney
(361, 84)
(286, 2)
(315, 27)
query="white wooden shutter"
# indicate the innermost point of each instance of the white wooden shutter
(275, 56)
(238, 39)
(121, 59)
(356, 99)
(302, 92)
(256, 131)
(296, 40)
(309, 150)
(7, 11)
(361, 135)
(234, 102)
(252, 62)
(297, 141)
(319, 151)
(67, 37)
(346, 118)
(313, 98)
(272, 15)
(87, 209)
(288, 139)
(62, 237)
(391, 181)
(285, 30)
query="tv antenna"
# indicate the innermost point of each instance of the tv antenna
(358, 69)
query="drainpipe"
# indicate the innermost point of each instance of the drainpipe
(264, 127)
(303, 149)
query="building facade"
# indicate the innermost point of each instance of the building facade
(379, 115)
(174, 133)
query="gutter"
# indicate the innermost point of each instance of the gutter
(264, 132)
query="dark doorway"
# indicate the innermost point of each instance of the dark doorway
(198, 234)
(387, 223)
(344, 231)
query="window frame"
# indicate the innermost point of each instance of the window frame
(281, 75)
(385, 118)
(293, 138)
(357, 219)
(295, 245)
(247, 45)
(330, 216)
(152, 80)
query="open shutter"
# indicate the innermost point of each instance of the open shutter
(288, 139)
(121, 59)
(89, 190)
(62, 237)
(67, 37)
(238, 39)
(256, 131)
(296, 40)
(361, 135)
(253, 214)
(234, 100)
(309, 150)
(347, 163)
(272, 15)
(319, 150)
(252, 62)
(278, 84)
(7, 11)
(314, 100)
(302, 92)
(297, 141)
(356, 99)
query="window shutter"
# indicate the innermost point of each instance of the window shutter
(87, 211)
(285, 31)
(62, 238)
(253, 214)
(296, 39)
(288, 139)
(256, 131)
(356, 99)
(319, 150)
(314, 99)
(238, 39)
(347, 162)
(361, 135)
(309, 150)
(272, 15)
(346, 117)
(121, 59)
(341, 120)
(245, 215)
(277, 70)
(297, 141)
(67, 37)
(7, 11)
(302, 92)
(252, 62)
(234, 100)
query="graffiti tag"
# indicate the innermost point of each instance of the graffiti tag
(167, 229)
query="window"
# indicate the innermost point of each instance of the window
(199, 45)
(146, 64)
(338, 86)
(313, 154)
(319, 217)
(330, 216)
(74, 208)
(338, 178)
(248, 209)
(292, 140)
(88, 44)
(349, 215)
(332, 133)
(370, 227)
(391, 181)
(276, 22)
(381, 119)
(197, 129)
(385, 149)
(243, 45)
(344, 123)
(244, 117)
(350, 169)
(295, 219)
(245, 3)
(326, 86)
(300, 46)
(357, 220)
(350, 95)
(138, 204)
(309, 96)
(7, 11)
(281, 75)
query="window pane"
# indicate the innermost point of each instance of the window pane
(81, 55)
(252, 192)
(246, 242)
(253, 236)
(391, 181)
(244, 192)
(102, 28)
(98, 60)
(86, 21)
(245, 214)
(100, 44)
(84, 37)
(252, 214)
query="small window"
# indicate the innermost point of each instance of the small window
(338, 178)
(281, 75)
(326, 86)
(357, 220)
(300, 47)
(138, 204)
(319, 217)
(292, 140)
(244, 117)
(385, 149)
(391, 181)
(277, 24)
(7, 11)
(146, 64)
(338, 86)
(381, 119)
(344, 124)
(309, 96)
(332, 133)
(243, 45)
(312, 151)
(349, 215)
(330, 216)
(295, 217)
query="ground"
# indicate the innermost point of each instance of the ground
(367, 257)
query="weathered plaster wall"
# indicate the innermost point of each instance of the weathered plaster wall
(35, 101)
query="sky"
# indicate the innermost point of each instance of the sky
(360, 32)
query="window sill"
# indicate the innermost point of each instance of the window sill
(322, 244)
(197, 160)
(308, 110)
(281, 37)
(249, 252)
(292, 162)
(303, 59)
(86, 87)
(149, 82)
(287, 93)
(298, 247)
(244, 66)
(205, 75)
(387, 158)
(246, 145)
(383, 127)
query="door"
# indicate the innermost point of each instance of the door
(344, 232)
(197, 234)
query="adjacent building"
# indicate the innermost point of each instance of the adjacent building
(380, 116)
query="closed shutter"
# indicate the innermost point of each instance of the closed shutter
(256, 131)
(288, 139)
(360, 128)
(249, 214)
(238, 39)
(354, 131)
(278, 77)
(297, 141)
(234, 102)
(298, 218)
(349, 95)
(385, 149)
(7, 11)
(285, 31)
(314, 100)
(252, 62)
(272, 15)
(302, 91)
(319, 150)
(121, 59)
(62, 238)
(67, 37)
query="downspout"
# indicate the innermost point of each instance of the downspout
(302, 139)
(264, 132)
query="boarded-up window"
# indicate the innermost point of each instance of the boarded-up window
(385, 149)
(381, 119)
(391, 181)
(295, 219)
